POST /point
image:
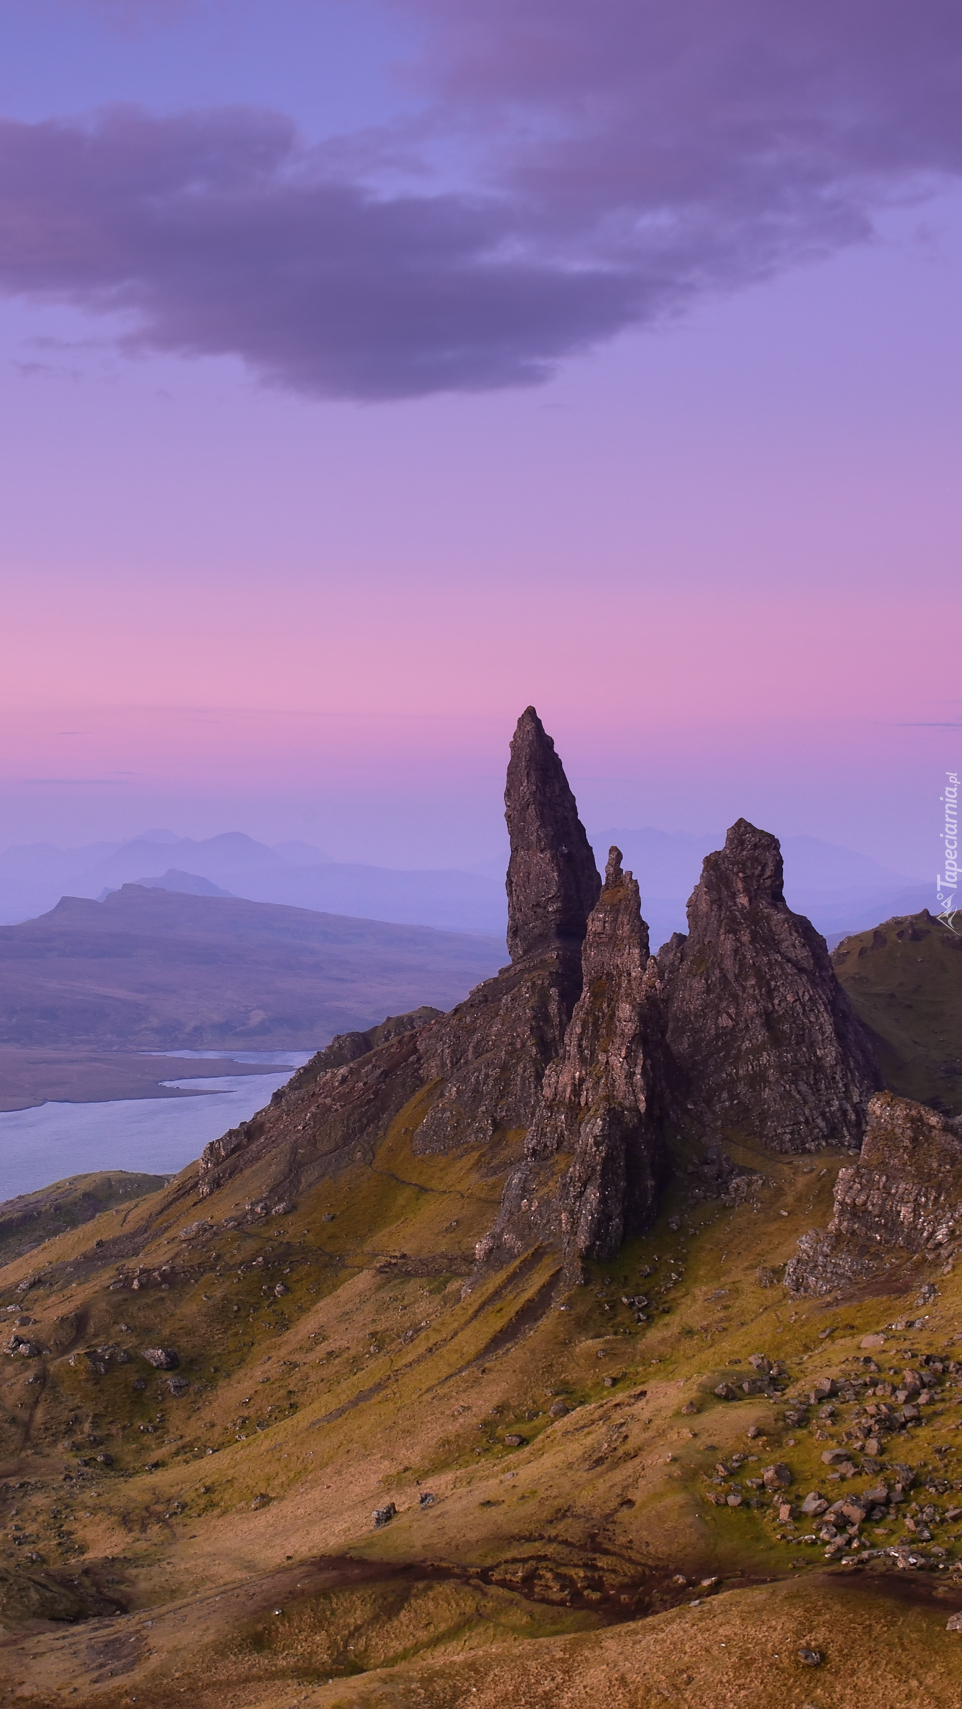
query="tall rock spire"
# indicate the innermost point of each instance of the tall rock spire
(593, 1154)
(492, 1050)
(762, 1041)
(552, 882)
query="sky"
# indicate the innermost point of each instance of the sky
(371, 371)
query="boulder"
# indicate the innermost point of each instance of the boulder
(162, 1358)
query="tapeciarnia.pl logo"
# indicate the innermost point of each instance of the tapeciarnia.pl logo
(947, 882)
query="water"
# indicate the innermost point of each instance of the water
(155, 1135)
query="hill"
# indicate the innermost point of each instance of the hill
(31, 1218)
(905, 981)
(154, 970)
(497, 1359)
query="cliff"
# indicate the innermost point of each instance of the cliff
(904, 981)
(479, 1069)
(903, 1197)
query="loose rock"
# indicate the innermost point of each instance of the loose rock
(162, 1358)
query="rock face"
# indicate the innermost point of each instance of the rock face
(903, 1196)
(480, 1067)
(562, 1071)
(761, 1040)
(491, 1052)
(552, 882)
(593, 1153)
(350, 1047)
(317, 1129)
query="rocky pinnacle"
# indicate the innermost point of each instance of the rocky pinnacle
(762, 1041)
(595, 1118)
(552, 882)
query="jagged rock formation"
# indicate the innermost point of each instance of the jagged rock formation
(593, 1152)
(490, 1053)
(560, 1070)
(481, 1066)
(761, 1039)
(552, 881)
(903, 1196)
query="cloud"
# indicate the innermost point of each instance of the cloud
(614, 160)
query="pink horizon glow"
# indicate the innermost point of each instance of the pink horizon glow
(719, 552)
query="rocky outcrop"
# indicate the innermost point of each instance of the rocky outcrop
(762, 1042)
(593, 1153)
(562, 1070)
(903, 1196)
(350, 1047)
(552, 882)
(336, 1120)
(489, 1055)
(481, 1065)
(491, 1052)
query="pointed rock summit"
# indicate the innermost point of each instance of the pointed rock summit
(762, 1041)
(477, 1071)
(552, 882)
(492, 1050)
(596, 1113)
(566, 1074)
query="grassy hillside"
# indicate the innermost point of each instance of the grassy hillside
(31, 1218)
(905, 980)
(579, 1517)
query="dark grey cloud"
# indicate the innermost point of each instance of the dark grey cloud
(217, 236)
(624, 157)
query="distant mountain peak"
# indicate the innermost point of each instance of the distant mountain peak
(187, 883)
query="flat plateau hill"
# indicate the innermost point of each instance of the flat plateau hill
(158, 970)
(904, 979)
(149, 970)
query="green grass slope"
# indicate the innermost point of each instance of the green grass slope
(32, 1218)
(905, 981)
(598, 1529)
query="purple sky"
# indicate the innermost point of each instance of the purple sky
(371, 371)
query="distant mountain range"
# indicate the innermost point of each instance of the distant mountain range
(34, 877)
(839, 890)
